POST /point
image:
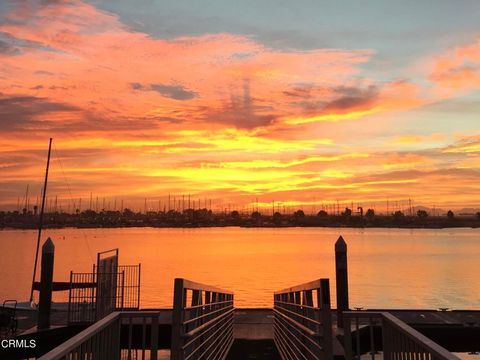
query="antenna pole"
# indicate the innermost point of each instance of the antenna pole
(40, 222)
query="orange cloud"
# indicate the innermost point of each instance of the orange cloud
(405, 161)
(411, 139)
(218, 114)
(133, 75)
(458, 70)
(466, 145)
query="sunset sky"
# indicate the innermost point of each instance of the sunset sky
(300, 102)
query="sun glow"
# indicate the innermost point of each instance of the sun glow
(138, 113)
(333, 117)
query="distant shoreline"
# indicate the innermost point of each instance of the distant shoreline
(245, 227)
(204, 218)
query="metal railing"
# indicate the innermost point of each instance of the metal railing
(131, 286)
(95, 295)
(302, 321)
(399, 340)
(103, 339)
(81, 298)
(92, 296)
(202, 321)
(8, 319)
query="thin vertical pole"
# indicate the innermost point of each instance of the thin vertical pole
(40, 222)
(138, 296)
(69, 312)
(123, 288)
(154, 338)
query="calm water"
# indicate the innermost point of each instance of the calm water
(388, 268)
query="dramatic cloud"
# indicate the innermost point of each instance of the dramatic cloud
(8, 49)
(176, 92)
(201, 78)
(224, 115)
(243, 112)
(28, 113)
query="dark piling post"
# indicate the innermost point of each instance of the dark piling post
(46, 284)
(341, 273)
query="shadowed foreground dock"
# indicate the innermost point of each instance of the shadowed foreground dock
(253, 331)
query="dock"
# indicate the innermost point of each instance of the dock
(253, 330)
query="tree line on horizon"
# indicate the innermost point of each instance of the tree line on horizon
(206, 217)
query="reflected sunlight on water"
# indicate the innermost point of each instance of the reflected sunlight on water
(388, 268)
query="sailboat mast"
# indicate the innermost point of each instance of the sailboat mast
(40, 222)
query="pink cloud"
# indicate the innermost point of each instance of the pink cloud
(458, 70)
(142, 114)
(92, 59)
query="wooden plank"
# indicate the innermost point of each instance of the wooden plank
(65, 285)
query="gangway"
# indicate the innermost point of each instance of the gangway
(202, 324)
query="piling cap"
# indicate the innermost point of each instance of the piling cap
(340, 245)
(48, 246)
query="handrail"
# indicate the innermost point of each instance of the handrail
(192, 285)
(299, 316)
(102, 340)
(74, 342)
(298, 305)
(302, 321)
(311, 285)
(415, 335)
(207, 324)
(209, 314)
(397, 338)
(202, 321)
(296, 324)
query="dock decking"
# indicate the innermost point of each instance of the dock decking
(253, 329)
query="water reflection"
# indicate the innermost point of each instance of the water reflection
(388, 268)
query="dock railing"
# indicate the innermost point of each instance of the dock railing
(130, 286)
(399, 340)
(302, 321)
(94, 295)
(103, 339)
(202, 321)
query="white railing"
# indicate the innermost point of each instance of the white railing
(399, 340)
(202, 321)
(103, 339)
(302, 321)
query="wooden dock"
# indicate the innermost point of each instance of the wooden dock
(253, 329)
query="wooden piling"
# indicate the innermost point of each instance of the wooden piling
(341, 273)
(46, 284)
(179, 302)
